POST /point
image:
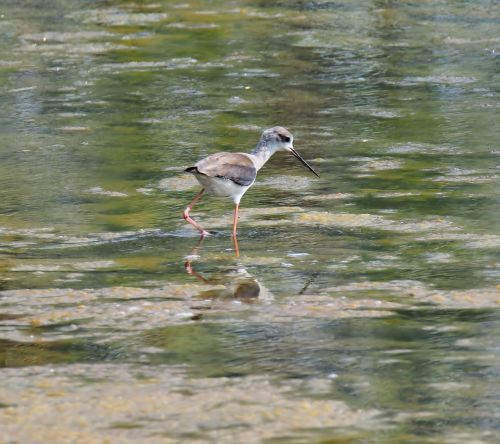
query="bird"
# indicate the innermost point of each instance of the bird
(230, 175)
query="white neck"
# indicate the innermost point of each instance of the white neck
(262, 153)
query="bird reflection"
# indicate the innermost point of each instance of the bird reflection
(238, 283)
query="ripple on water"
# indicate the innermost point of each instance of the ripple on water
(396, 194)
(378, 165)
(171, 64)
(469, 240)
(65, 266)
(373, 221)
(253, 72)
(325, 40)
(54, 239)
(440, 79)
(65, 37)
(117, 17)
(73, 128)
(439, 258)
(471, 41)
(421, 293)
(178, 183)
(246, 127)
(70, 45)
(372, 112)
(99, 191)
(465, 175)
(67, 49)
(184, 25)
(331, 196)
(286, 183)
(423, 148)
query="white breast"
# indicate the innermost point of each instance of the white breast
(222, 187)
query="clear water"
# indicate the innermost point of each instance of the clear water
(364, 306)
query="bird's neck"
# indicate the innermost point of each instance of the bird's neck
(261, 154)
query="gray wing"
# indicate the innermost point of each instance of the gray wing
(232, 166)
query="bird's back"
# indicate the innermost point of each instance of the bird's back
(237, 167)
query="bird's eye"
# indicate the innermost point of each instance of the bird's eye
(284, 138)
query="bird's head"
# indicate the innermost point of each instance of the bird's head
(277, 138)
(280, 139)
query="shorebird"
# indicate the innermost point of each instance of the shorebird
(232, 174)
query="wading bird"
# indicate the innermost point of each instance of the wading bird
(232, 174)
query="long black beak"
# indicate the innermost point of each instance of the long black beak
(302, 161)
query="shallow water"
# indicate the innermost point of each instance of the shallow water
(364, 306)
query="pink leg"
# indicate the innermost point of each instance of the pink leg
(235, 219)
(236, 247)
(235, 223)
(191, 221)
